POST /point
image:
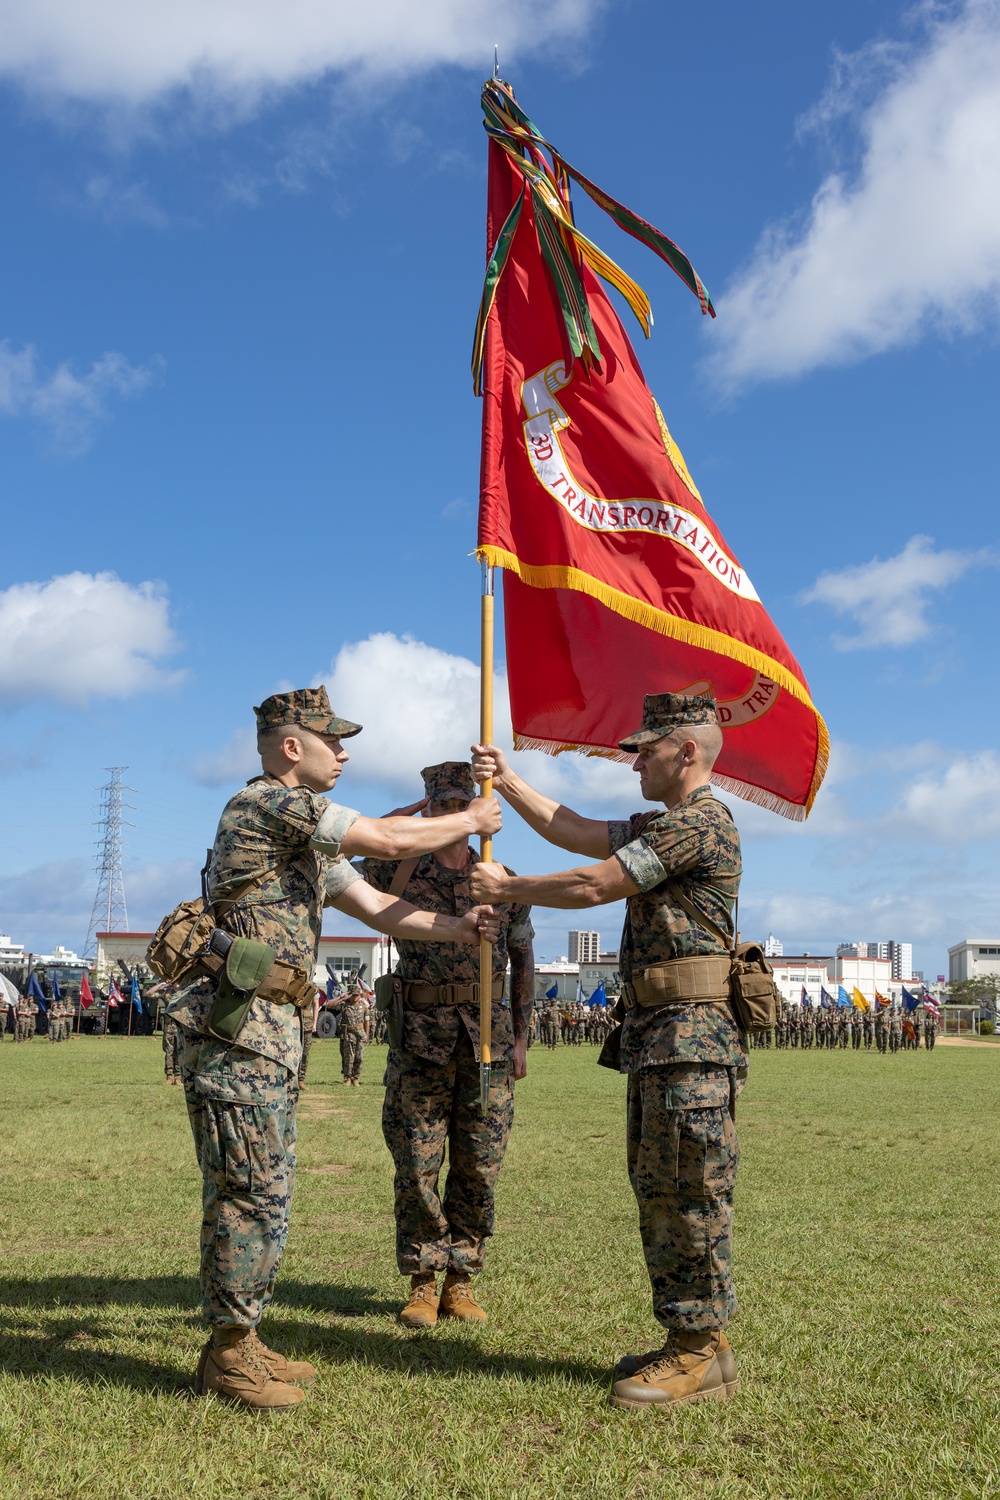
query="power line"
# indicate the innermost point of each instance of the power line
(109, 900)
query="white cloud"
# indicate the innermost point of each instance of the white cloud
(888, 599)
(237, 760)
(420, 705)
(70, 406)
(82, 636)
(960, 805)
(242, 50)
(911, 241)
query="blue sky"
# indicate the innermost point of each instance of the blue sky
(239, 449)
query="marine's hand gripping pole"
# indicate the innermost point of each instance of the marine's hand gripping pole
(486, 843)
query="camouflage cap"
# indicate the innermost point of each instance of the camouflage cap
(662, 712)
(309, 708)
(451, 779)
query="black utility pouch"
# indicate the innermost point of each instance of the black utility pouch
(389, 1000)
(248, 964)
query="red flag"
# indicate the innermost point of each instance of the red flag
(618, 581)
(86, 993)
(114, 995)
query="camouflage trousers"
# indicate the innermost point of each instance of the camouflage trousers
(24, 1029)
(352, 1052)
(242, 1112)
(171, 1048)
(427, 1107)
(682, 1161)
(307, 1041)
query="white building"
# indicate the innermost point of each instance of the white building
(11, 953)
(868, 974)
(344, 954)
(791, 973)
(773, 947)
(900, 956)
(973, 958)
(564, 975)
(584, 947)
(605, 967)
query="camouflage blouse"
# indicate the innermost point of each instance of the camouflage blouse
(433, 1034)
(269, 825)
(695, 844)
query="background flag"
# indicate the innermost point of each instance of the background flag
(599, 996)
(617, 581)
(881, 1001)
(35, 991)
(56, 991)
(8, 994)
(931, 1005)
(553, 992)
(135, 997)
(844, 1001)
(910, 1002)
(825, 1000)
(860, 1003)
(114, 995)
(86, 993)
(804, 997)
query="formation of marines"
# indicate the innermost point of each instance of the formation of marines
(884, 1028)
(572, 1024)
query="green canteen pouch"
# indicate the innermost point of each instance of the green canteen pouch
(248, 964)
(389, 1000)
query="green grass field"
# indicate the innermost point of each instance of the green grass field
(865, 1259)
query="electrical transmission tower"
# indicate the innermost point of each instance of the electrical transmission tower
(109, 902)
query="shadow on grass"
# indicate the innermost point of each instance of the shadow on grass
(65, 1345)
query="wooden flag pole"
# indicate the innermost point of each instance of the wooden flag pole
(486, 843)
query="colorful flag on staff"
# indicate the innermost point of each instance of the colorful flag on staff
(37, 994)
(825, 1000)
(114, 995)
(56, 991)
(844, 1001)
(859, 1000)
(553, 992)
(135, 997)
(86, 993)
(931, 1005)
(910, 1001)
(599, 996)
(617, 580)
(881, 1001)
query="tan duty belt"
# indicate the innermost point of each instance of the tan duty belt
(427, 996)
(285, 984)
(700, 980)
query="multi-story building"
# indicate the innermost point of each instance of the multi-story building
(343, 954)
(773, 947)
(793, 972)
(973, 958)
(584, 947)
(900, 956)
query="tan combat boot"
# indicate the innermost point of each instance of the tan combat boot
(231, 1366)
(457, 1300)
(690, 1367)
(291, 1371)
(422, 1309)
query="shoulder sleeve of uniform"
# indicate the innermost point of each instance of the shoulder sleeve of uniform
(290, 814)
(667, 846)
(331, 829)
(340, 874)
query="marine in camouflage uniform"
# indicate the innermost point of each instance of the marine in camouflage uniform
(170, 1036)
(432, 1098)
(309, 1019)
(354, 1031)
(285, 839)
(26, 1019)
(686, 1062)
